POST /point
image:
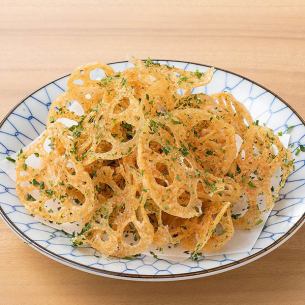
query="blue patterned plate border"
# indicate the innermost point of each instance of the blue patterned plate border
(194, 271)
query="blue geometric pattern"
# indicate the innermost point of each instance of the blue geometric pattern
(27, 121)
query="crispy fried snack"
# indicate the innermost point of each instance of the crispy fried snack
(51, 183)
(136, 160)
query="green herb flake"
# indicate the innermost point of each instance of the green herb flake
(86, 228)
(154, 126)
(29, 197)
(153, 254)
(182, 79)
(258, 222)
(197, 173)
(184, 151)
(76, 130)
(297, 151)
(243, 179)
(198, 74)
(35, 182)
(251, 184)
(73, 149)
(211, 185)
(230, 175)
(105, 81)
(302, 148)
(129, 150)
(8, 158)
(76, 242)
(166, 149)
(195, 255)
(175, 121)
(148, 62)
(209, 152)
(49, 192)
(123, 81)
(59, 109)
(126, 126)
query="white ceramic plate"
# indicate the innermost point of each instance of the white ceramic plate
(27, 120)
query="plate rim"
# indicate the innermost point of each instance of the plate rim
(166, 277)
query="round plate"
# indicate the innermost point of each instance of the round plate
(27, 120)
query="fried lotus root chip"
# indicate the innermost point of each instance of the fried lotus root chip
(188, 80)
(175, 181)
(162, 236)
(110, 131)
(212, 144)
(88, 75)
(211, 140)
(194, 233)
(223, 233)
(261, 169)
(60, 193)
(157, 84)
(65, 107)
(153, 89)
(121, 226)
(84, 91)
(84, 84)
(184, 79)
(222, 105)
(232, 112)
(169, 174)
